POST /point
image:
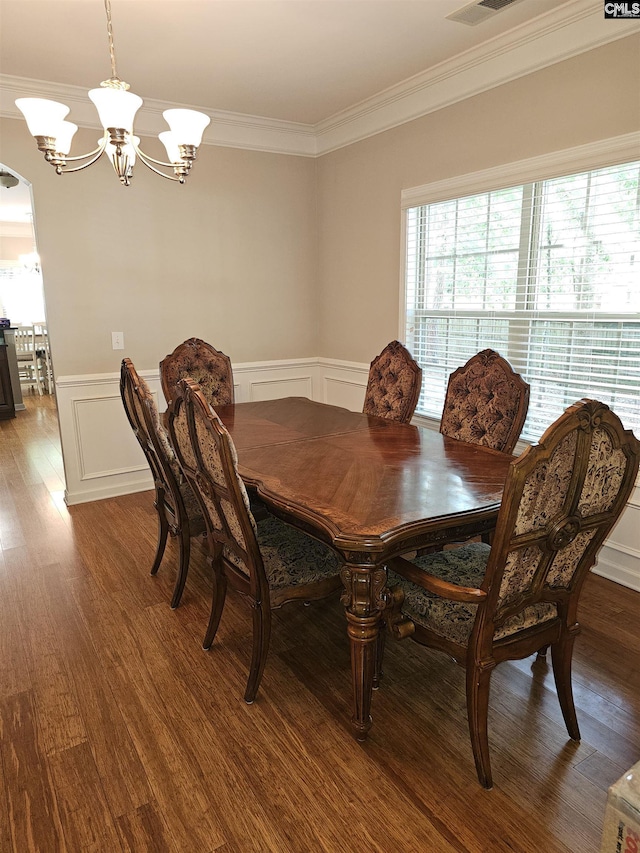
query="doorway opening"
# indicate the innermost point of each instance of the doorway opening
(22, 305)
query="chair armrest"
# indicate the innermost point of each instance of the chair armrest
(436, 585)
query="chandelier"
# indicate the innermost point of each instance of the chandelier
(116, 108)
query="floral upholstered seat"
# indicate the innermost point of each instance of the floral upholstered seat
(482, 605)
(393, 387)
(486, 403)
(178, 510)
(453, 620)
(204, 364)
(269, 562)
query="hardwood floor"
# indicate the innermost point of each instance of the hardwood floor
(119, 733)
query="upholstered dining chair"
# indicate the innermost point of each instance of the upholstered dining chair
(268, 562)
(486, 403)
(483, 605)
(178, 510)
(393, 387)
(204, 364)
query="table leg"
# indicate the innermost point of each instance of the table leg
(363, 601)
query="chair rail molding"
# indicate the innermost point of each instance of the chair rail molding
(103, 459)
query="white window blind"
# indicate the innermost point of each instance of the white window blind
(547, 274)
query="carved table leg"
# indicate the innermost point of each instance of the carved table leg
(362, 598)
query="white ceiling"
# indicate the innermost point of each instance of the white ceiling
(295, 60)
(296, 76)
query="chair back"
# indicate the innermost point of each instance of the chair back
(24, 337)
(394, 384)
(204, 364)
(561, 499)
(208, 457)
(486, 403)
(144, 418)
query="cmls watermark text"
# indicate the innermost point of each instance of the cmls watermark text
(622, 10)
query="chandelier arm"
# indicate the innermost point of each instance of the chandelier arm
(62, 170)
(143, 159)
(96, 151)
(148, 160)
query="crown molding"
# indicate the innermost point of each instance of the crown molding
(227, 129)
(544, 41)
(558, 35)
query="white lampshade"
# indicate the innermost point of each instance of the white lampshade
(116, 107)
(186, 125)
(168, 139)
(43, 117)
(65, 135)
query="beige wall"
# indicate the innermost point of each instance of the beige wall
(241, 256)
(585, 99)
(229, 257)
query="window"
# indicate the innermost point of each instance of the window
(548, 274)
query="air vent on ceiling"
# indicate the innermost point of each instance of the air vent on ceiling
(479, 11)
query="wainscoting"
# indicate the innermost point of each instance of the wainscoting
(103, 459)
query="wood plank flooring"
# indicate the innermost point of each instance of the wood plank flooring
(119, 733)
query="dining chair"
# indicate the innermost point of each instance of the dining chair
(204, 364)
(268, 562)
(486, 403)
(43, 351)
(393, 387)
(27, 356)
(482, 605)
(178, 510)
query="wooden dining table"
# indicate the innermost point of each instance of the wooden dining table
(371, 489)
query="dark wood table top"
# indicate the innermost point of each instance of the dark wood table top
(363, 483)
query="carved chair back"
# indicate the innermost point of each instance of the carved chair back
(178, 511)
(204, 364)
(486, 403)
(561, 499)
(144, 418)
(394, 383)
(208, 458)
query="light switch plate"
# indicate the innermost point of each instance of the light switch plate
(117, 340)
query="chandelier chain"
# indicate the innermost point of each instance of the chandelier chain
(112, 51)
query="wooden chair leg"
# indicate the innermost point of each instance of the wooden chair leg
(561, 655)
(163, 532)
(478, 681)
(184, 544)
(261, 637)
(217, 605)
(380, 644)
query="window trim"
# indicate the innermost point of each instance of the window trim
(567, 161)
(607, 152)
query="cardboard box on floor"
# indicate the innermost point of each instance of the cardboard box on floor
(621, 832)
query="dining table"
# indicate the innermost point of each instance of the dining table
(371, 489)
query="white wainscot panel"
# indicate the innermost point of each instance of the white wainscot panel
(344, 384)
(102, 457)
(104, 447)
(619, 559)
(273, 389)
(254, 381)
(342, 392)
